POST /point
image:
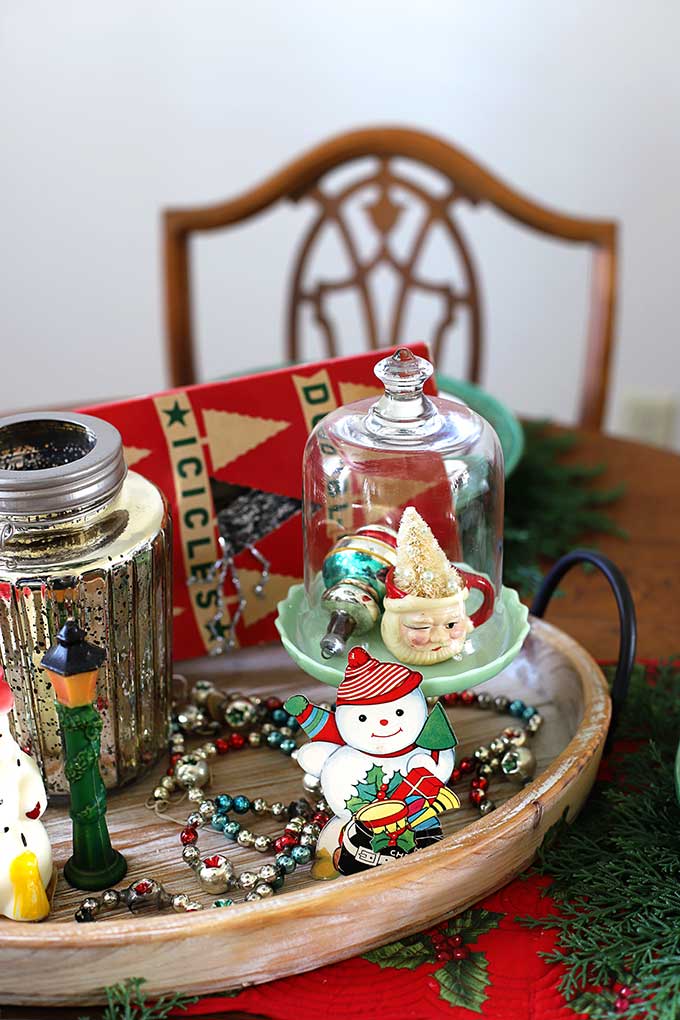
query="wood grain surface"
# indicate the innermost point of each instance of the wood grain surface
(650, 556)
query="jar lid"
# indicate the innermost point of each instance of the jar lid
(58, 463)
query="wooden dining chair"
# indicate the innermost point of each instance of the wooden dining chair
(465, 181)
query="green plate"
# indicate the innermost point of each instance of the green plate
(508, 428)
(505, 423)
(301, 629)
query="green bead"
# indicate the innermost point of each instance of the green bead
(232, 829)
(287, 746)
(223, 903)
(285, 863)
(274, 738)
(301, 854)
(219, 822)
(241, 804)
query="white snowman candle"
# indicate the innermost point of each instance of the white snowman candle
(25, 851)
(378, 735)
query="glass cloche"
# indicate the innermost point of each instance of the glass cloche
(403, 539)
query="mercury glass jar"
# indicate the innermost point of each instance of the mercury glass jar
(82, 536)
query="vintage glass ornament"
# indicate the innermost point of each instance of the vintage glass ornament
(375, 464)
(82, 536)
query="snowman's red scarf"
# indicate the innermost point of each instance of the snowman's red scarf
(405, 750)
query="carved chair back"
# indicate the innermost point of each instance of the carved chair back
(382, 194)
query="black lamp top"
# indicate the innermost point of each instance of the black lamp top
(72, 654)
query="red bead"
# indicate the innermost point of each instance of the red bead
(451, 699)
(467, 765)
(273, 703)
(477, 796)
(143, 887)
(480, 783)
(188, 836)
(455, 941)
(621, 1005)
(283, 843)
(441, 955)
(455, 776)
(170, 771)
(237, 741)
(625, 991)
(222, 745)
(468, 697)
(174, 758)
(320, 819)
(460, 953)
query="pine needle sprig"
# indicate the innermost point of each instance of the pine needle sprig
(127, 1001)
(550, 506)
(616, 870)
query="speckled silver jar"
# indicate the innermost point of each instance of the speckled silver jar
(82, 536)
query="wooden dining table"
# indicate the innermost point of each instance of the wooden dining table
(649, 557)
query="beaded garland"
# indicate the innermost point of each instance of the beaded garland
(506, 754)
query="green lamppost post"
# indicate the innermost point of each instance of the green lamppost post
(72, 665)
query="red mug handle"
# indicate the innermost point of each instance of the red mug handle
(482, 584)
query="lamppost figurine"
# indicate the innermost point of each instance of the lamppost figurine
(72, 665)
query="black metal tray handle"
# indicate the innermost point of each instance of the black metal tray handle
(627, 620)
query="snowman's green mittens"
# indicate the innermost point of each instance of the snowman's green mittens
(296, 704)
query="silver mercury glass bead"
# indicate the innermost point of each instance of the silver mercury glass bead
(285, 731)
(191, 855)
(192, 771)
(500, 703)
(267, 728)
(247, 880)
(91, 905)
(255, 738)
(259, 805)
(210, 750)
(168, 783)
(535, 723)
(278, 809)
(207, 809)
(295, 824)
(497, 746)
(494, 764)
(312, 784)
(518, 765)
(267, 873)
(485, 770)
(262, 844)
(195, 820)
(484, 700)
(263, 890)
(160, 793)
(519, 738)
(245, 838)
(195, 794)
(251, 896)
(110, 898)
(481, 753)
(486, 806)
(215, 874)
(307, 840)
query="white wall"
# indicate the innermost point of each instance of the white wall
(110, 111)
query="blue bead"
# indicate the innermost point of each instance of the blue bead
(232, 829)
(223, 803)
(287, 746)
(292, 723)
(516, 708)
(285, 863)
(274, 738)
(241, 804)
(528, 712)
(279, 716)
(301, 854)
(219, 821)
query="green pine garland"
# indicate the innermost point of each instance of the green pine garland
(549, 507)
(616, 870)
(126, 1001)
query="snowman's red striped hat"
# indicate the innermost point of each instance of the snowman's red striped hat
(370, 682)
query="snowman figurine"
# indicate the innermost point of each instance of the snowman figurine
(379, 745)
(25, 851)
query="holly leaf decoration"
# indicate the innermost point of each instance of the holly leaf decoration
(407, 841)
(375, 776)
(408, 953)
(473, 923)
(379, 842)
(394, 782)
(354, 803)
(464, 982)
(368, 789)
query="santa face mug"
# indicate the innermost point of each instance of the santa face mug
(379, 757)
(425, 620)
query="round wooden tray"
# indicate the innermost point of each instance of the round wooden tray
(312, 923)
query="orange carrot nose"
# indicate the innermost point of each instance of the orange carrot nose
(30, 899)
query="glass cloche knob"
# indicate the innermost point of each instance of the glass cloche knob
(403, 413)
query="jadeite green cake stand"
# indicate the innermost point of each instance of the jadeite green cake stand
(301, 628)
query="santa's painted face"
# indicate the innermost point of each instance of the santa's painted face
(384, 728)
(426, 631)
